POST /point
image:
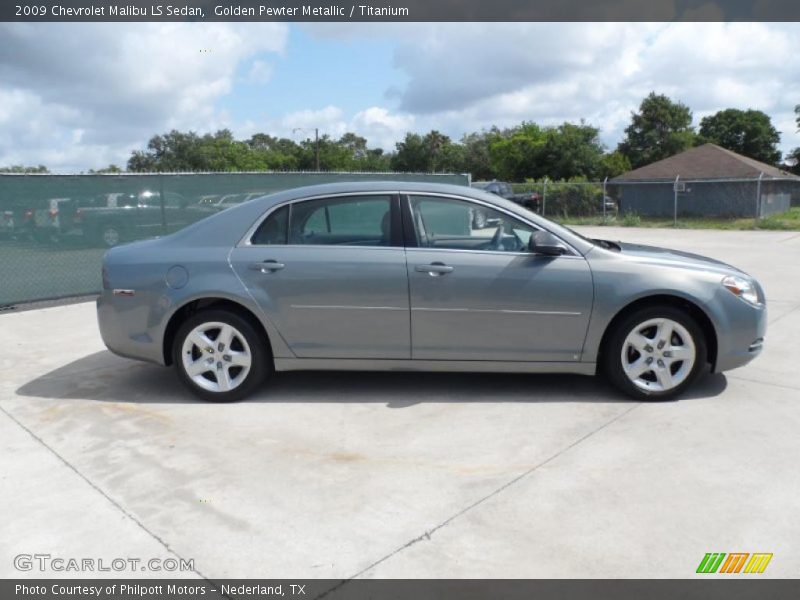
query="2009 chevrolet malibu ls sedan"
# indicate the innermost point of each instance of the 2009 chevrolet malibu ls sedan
(391, 276)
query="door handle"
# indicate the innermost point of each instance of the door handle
(436, 269)
(268, 266)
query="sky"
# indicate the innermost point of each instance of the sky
(77, 96)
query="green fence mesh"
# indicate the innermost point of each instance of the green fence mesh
(54, 229)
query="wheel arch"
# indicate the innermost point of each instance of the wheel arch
(199, 304)
(692, 308)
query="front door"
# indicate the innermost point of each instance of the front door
(479, 294)
(330, 274)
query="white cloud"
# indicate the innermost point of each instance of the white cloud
(260, 72)
(463, 77)
(75, 97)
(381, 127)
(118, 83)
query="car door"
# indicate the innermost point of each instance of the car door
(330, 273)
(479, 294)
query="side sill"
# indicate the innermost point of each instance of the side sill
(358, 364)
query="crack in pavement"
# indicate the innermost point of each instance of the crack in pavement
(427, 534)
(786, 314)
(99, 490)
(769, 383)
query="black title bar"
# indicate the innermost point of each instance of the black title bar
(401, 10)
(744, 587)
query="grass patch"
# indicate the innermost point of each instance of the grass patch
(788, 221)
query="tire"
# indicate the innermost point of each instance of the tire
(638, 361)
(246, 360)
(109, 235)
(479, 219)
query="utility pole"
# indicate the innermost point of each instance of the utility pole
(316, 145)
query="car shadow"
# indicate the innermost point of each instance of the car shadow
(105, 377)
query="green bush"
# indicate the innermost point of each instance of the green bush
(631, 219)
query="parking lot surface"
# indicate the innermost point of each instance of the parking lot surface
(339, 475)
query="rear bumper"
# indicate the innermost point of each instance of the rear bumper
(113, 313)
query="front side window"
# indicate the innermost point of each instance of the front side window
(342, 221)
(452, 224)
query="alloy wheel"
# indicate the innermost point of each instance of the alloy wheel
(658, 355)
(216, 356)
(111, 236)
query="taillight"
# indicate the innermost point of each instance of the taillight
(53, 212)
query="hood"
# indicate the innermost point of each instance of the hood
(675, 258)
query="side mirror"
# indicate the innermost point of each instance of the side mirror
(545, 243)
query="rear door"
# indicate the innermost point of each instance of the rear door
(330, 273)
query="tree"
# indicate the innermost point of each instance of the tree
(660, 129)
(173, 151)
(24, 170)
(747, 132)
(570, 150)
(476, 159)
(613, 164)
(355, 144)
(428, 153)
(514, 152)
(794, 155)
(532, 152)
(112, 168)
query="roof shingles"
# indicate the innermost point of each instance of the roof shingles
(708, 161)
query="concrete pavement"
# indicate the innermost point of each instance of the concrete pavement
(403, 475)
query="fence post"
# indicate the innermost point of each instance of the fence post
(605, 182)
(758, 196)
(544, 195)
(163, 208)
(675, 207)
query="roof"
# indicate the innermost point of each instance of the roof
(708, 161)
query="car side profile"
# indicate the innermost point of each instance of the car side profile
(395, 276)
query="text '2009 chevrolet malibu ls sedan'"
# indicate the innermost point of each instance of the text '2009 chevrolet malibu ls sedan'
(386, 276)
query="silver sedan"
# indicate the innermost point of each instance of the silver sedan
(389, 276)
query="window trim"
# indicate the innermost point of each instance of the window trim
(401, 223)
(395, 231)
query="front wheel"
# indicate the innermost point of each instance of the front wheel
(220, 356)
(655, 353)
(109, 235)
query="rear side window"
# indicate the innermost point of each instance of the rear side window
(274, 230)
(342, 221)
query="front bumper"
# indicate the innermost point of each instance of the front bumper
(741, 331)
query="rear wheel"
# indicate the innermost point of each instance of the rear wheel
(655, 353)
(220, 356)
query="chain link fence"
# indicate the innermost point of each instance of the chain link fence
(667, 200)
(54, 229)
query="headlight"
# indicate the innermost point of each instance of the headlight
(743, 288)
